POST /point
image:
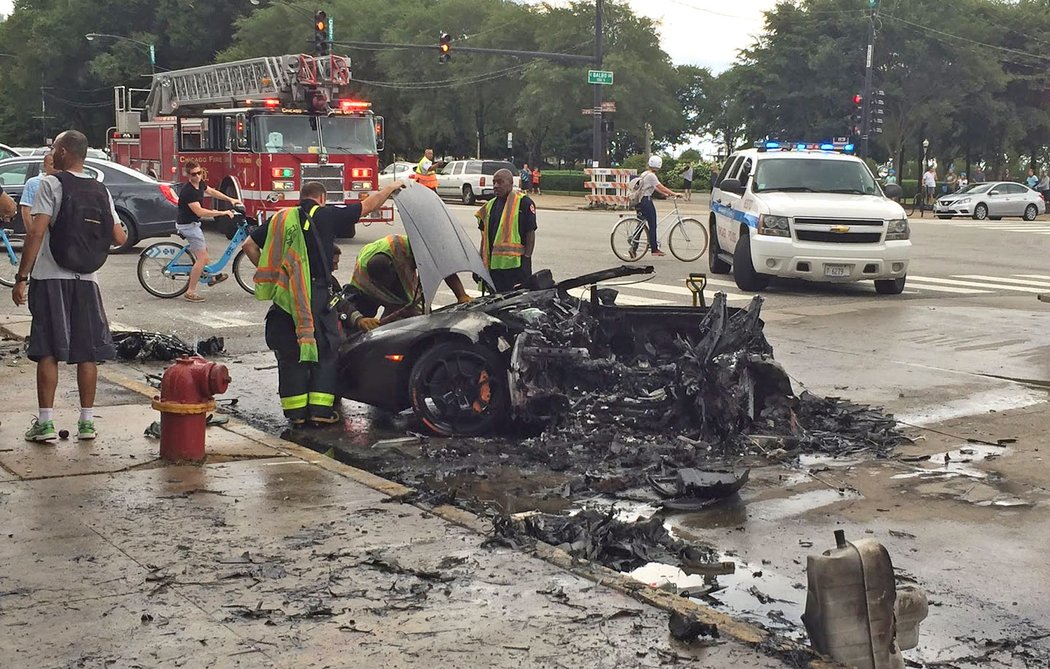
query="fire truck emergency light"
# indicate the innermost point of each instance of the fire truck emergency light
(283, 172)
(360, 172)
(272, 102)
(347, 105)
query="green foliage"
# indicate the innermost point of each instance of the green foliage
(564, 181)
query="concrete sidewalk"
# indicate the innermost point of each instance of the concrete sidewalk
(271, 555)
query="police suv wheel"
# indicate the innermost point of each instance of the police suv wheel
(890, 286)
(716, 263)
(744, 270)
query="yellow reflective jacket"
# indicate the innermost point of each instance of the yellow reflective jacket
(283, 276)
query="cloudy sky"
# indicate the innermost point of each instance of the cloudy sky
(696, 32)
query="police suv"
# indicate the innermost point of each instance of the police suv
(806, 211)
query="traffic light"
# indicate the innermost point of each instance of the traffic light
(876, 111)
(445, 47)
(856, 118)
(321, 45)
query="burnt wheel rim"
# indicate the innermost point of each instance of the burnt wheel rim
(457, 393)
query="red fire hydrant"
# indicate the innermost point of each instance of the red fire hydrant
(186, 397)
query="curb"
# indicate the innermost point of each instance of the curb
(744, 633)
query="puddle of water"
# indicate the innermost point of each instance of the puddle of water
(751, 592)
(737, 512)
(818, 460)
(961, 462)
(1000, 399)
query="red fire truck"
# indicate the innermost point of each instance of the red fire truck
(260, 128)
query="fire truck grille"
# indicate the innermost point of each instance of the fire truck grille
(329, 175)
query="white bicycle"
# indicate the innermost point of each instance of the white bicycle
(686, 237)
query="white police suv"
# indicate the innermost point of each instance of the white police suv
(807, 211)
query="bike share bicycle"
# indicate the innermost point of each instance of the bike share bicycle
(164, 268)
(686, 238)
(8, 257)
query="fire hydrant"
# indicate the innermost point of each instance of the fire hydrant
(186, 397)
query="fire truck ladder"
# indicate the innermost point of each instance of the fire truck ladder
(285, 78)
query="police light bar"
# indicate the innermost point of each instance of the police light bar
(838, 145)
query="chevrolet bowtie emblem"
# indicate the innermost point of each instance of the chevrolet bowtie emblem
(840, 228)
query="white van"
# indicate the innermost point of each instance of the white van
(805, 211)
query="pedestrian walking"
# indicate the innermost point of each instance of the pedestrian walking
(536, 180)
(929, 186)
(650, 184)
(508, 233)
(294, 254)
(525, 179)
(687, 181)
(188, 224)
(72, 226)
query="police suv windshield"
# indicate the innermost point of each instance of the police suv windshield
(794, 175)
(307, 134)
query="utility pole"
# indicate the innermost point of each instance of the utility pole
(869, 99)
(598, 152)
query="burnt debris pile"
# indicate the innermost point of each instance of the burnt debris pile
(686, 391)
(138, 345)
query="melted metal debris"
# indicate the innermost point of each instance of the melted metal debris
(139, 345)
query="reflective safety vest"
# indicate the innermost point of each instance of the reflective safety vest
(427, 177)
(507, 250)
(397, 247)
(283, 276)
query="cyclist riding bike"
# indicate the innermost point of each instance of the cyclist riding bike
(191, 210)
(649, 184)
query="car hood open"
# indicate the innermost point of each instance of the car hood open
(440, 246)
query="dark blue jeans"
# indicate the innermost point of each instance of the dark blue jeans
(647, 210)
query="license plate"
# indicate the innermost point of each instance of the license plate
(836, 270)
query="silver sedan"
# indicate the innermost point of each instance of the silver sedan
(992, 200)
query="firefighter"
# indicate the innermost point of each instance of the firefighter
(294, 254)
(385, 276)
(508, 233)
(426, 170)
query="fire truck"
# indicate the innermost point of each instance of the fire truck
(260, 128)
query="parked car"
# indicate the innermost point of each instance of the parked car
(97, 154)
(394, 171)
(993, 200)
(471, 180)
(8, 152)
(147, 208)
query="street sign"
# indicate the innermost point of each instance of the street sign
(603, 77)
(608, 106)
(588, 111)
(510, 140)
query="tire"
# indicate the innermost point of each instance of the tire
(459, 389)
(468, 195)
(714, 262)
(980, 212)
(129, 226)
(890, 286)
(1031, 212)
(630, 239)
(244, 271)
(688, 240)
(150, 269)
(744, 270)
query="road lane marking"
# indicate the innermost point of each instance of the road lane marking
(1000, 279)
(974, 284)
(946, 289)
(1034, 276)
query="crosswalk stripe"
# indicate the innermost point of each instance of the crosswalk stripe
(682, 290)
(946, 289)
(1034, 276)
(974, 284)
(1023, 282)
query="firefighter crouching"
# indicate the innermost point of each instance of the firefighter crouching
(385, 276)
(294, 255)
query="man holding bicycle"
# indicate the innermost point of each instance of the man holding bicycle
(649, 184)
(188, 224)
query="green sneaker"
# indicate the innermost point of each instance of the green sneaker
(86, 430)
(41, 432)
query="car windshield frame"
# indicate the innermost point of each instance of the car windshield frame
(973, 189)
(814, 175)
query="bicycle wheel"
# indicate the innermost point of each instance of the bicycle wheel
(244, 271)
(687, 239)
(8, 265)
(154, 274)
(630, 239)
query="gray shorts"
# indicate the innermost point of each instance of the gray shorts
(194, 235)
(69, 322)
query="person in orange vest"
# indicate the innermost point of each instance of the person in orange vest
(426, 170)
(508, 233)
(294, 253)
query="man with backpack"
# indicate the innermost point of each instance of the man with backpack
(73, 225)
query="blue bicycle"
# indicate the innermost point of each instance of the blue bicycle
(164, 267)
(8, 258)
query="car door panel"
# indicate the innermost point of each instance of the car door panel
(725, 230)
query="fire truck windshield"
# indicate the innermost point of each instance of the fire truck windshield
(306, 134)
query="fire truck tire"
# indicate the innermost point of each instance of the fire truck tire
(129, 226)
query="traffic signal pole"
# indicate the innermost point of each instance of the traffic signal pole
(598, 149)
(869, 99)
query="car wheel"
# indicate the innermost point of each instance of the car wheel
(717, 264)
(980, 212)
(890, 286)
(1030, 212)
(132, 231)
(468, 195)
(744, 270)
(458, 388)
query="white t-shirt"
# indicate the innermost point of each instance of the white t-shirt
(688, 174)
(929, 179)
(648, 183)
(47, 201)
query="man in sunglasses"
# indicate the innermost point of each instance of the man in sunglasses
(188, 223)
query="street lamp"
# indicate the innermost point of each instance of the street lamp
(150, 49)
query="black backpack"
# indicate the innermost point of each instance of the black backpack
(82, 232)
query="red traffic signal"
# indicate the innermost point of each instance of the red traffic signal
(857, 99)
